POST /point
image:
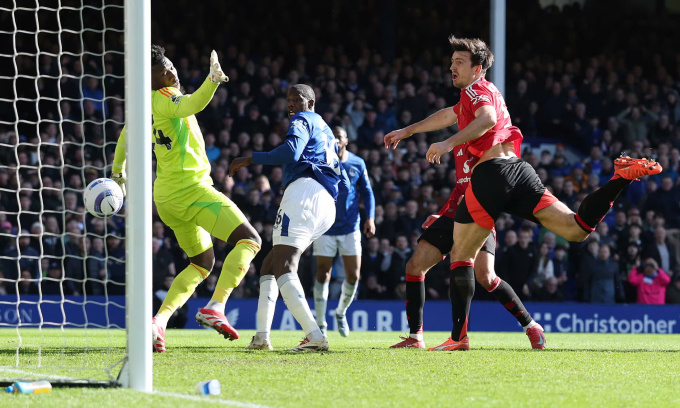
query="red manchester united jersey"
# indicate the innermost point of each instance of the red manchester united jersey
(464, 163)
(481, 93)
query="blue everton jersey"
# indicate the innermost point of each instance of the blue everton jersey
(319, 154)
(347, 218)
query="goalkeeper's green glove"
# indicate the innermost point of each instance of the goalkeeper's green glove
(216, 74)
(120, 179)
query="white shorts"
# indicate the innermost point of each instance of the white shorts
(307, 211)
(329, 245)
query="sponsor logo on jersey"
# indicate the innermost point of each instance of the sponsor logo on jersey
(352, 173)
(460, 153)
(176, 98)
(298, 124)
(479, 98)
(466, 166)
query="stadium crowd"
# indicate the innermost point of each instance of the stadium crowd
(581, 98)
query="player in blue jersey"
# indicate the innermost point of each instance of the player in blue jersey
(311, 175)
(344, 237)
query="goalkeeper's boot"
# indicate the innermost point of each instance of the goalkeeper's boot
(308, 346)
(409, 342)
(259, 344)
(633, 169)
(343, 326)
(218, 321)
(450, 345)
(157, 337)
(536, 337)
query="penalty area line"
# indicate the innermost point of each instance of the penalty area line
(210, 399)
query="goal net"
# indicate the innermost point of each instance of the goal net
(62, 271)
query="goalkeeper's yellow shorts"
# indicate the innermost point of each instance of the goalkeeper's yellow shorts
(197, 214)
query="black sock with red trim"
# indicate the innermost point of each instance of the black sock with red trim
(596, 205)
(461, 291)
(415, 301)
(506, 295)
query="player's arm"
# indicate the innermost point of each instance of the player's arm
(289, 152)
(118, 167)
(485, 119)
(364, 186)
(170, 102)
(438, 120)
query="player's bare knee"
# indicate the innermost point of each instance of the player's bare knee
(206, 260)
(352, 278)
(251, 234)
(485, 277)
(412, 268)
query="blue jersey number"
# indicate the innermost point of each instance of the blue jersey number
(332, 158)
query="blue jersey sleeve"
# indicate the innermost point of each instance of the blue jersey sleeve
(364, 186)
(290, 151)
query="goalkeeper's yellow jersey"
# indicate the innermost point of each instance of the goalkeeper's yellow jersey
(178, 143)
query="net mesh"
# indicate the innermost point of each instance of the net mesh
(61, 270)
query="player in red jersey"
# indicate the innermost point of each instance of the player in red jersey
(433, 246)
(500, 180)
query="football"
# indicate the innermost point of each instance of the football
(103, 197)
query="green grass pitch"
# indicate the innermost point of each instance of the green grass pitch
(500, 370)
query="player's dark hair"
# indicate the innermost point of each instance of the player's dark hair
(157, 54)
(339, 129)
(481, 54)
(305, 91)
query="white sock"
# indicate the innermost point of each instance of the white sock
(531, 324)
(417, 336)
(161, 321)
(266, 305)
(294, 296)
(320, 301)
(346, 296)
(216, 306)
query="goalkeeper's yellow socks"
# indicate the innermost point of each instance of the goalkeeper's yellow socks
(234, 269)
(180, 291)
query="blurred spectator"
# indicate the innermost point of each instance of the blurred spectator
(519, 264)
(651, 282)
(53, 283)
(22, 258)
(602, 283)
(115, 264)
(661, 250)
(665, 201)
(401, 253)
(673, 291)
(550, 292)
(545, 269)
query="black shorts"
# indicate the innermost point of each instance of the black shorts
(503, 185)
(440, 236)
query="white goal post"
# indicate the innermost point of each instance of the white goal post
(138, 115)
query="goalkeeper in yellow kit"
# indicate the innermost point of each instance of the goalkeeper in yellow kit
(186, 200)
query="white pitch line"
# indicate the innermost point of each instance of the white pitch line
(208, 399)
